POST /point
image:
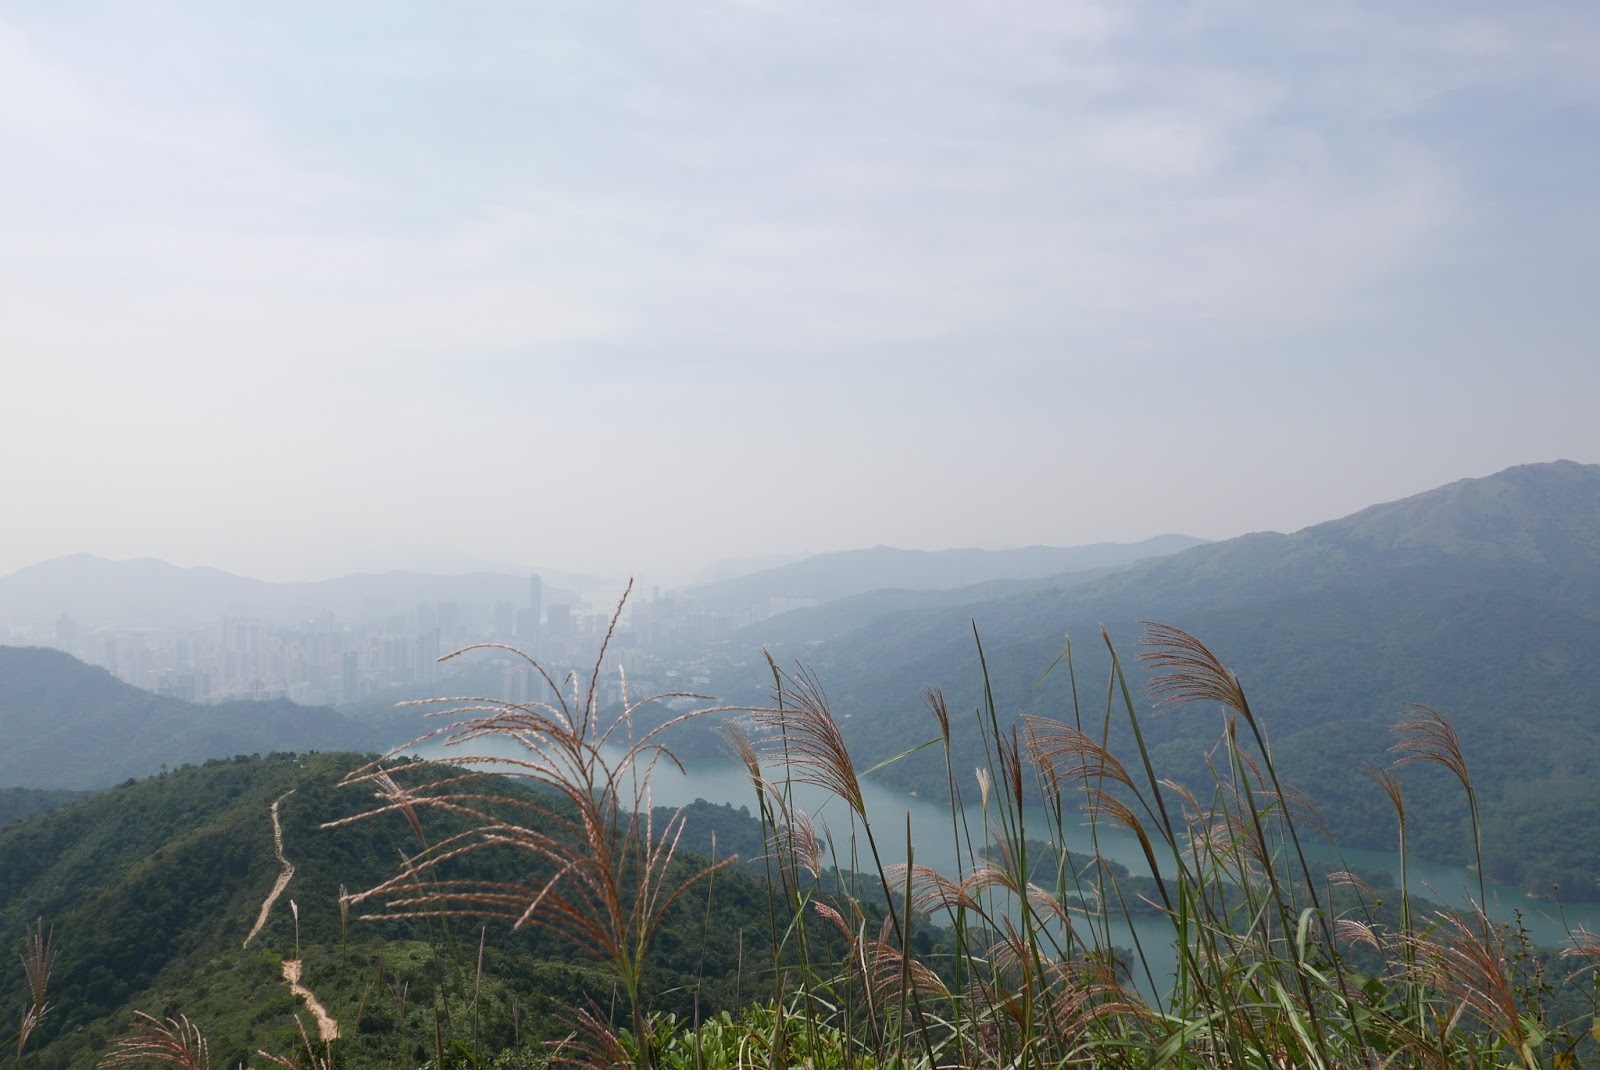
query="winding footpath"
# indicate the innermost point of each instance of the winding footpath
(327, 1027)
(284, 877)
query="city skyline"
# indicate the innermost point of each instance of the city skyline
(385, 650)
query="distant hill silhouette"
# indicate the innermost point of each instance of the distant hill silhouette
(826, 577)
(70, 725)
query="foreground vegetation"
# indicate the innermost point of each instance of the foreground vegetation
(1277, 964)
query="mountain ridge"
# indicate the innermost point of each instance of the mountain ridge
(1479, 597)
(839, 574)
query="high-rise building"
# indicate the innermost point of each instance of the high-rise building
(67, 634)
(426, 666)
(505, 620)
(536, 598)
(527, 625)
(350, 683)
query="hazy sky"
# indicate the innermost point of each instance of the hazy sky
(300, 288)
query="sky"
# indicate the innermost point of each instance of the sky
(298, 289)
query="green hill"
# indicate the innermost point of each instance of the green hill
(150, 890)
(1481, 598)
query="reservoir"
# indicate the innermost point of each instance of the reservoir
(934, 833)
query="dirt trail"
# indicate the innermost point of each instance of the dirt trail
(284, 877)
(327, 1028)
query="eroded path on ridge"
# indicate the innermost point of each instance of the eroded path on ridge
(284, 877)
(327, 1027)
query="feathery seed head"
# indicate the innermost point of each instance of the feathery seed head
(1353, 931)
(38, 959)
(176, 1042)
(1068, 756)
(1385, 779)
(1190, 672)
(1466, 962)
(1426, 735)
(803, 733)
(934, 697)
(1583, 944)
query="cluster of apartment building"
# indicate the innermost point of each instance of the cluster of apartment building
(385, 653)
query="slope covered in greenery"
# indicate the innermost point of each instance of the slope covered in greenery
(1481, 598)
(19, 803)
(151, 888)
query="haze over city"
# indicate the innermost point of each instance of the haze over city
(307, 290)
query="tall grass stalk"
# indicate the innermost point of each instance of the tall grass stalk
(38, 962)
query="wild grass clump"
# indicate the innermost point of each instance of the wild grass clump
(1277, 963)
(596, 864)
(38, 961)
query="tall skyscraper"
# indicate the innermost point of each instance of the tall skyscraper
(536, 598)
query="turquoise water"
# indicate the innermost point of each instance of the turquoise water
(934, 844)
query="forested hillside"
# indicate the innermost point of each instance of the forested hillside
(150, 889)
(18, 803)
(1481, 598)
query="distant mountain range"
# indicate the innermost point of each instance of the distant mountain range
(1481, 597)
(70, 725)
(152, 593)
(827, 577)
(147, 592)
